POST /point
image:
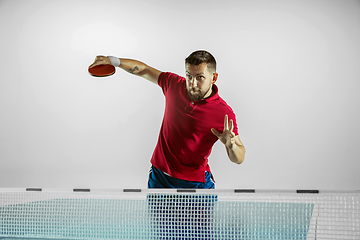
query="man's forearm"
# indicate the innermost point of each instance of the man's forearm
(140, 69)
(236, 153)
(132, 66)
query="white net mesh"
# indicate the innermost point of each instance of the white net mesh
(168, 214)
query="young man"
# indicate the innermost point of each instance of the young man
(195, 118)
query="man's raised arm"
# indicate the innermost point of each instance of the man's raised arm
(132, 66)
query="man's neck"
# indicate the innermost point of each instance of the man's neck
(210, 93)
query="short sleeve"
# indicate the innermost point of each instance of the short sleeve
(167, 79)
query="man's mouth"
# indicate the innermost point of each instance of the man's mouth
(195, 90)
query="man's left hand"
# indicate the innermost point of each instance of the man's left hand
(227, 137)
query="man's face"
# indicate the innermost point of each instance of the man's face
(199, 81)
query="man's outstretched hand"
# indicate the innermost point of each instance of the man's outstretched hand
(227, 137)
(234, 147)
(100, 60)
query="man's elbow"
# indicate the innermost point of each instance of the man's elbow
(237, 155)
(239, 160)
(240, 157)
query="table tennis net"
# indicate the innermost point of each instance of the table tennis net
(169, 214)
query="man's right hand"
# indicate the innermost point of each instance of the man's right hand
(100, 60)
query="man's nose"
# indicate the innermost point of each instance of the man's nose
(194, 83)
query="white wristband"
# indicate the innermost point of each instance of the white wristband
(114, 61)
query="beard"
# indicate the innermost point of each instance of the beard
(197, 94)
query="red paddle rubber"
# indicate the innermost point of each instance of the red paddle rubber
(102, 70)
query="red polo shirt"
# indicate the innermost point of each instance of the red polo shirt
(185, 139)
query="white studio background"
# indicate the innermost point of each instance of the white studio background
(289, 69)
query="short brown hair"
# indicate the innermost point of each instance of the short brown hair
(202, 56)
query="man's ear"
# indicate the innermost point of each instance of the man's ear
(215, 77)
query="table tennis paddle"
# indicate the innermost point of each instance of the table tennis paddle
(102, 70)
